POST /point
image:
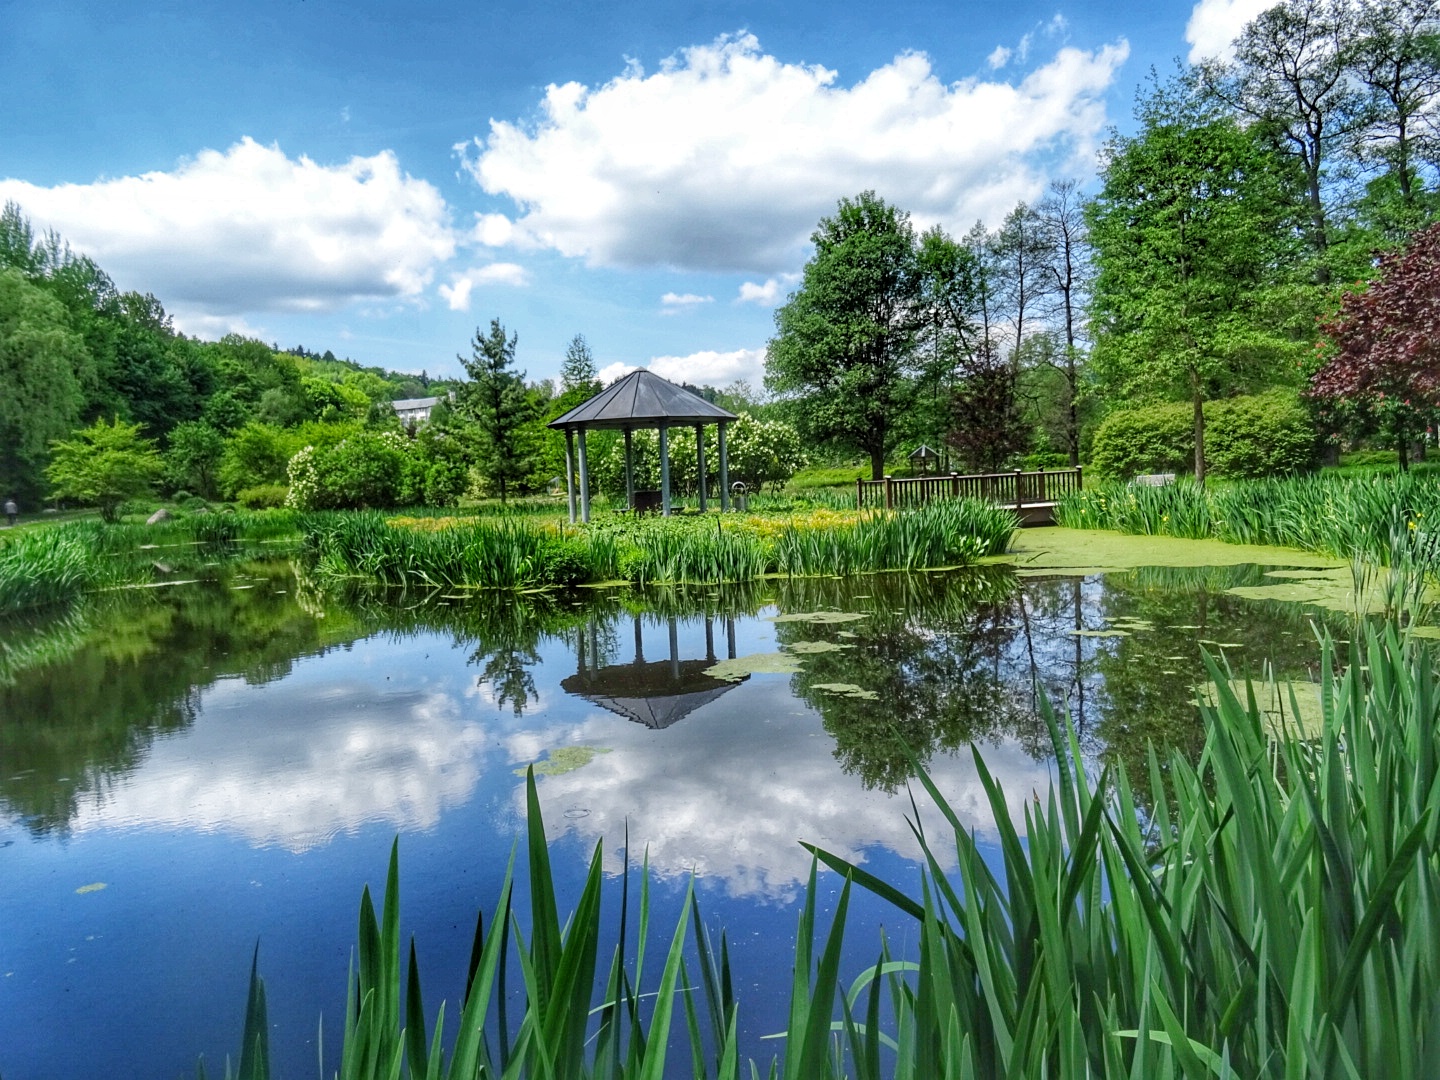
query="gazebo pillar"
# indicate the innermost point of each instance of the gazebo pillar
(584, 482)
(570, 471)
(724, 471)
(664, 468)
(629, 470)
(700, 460)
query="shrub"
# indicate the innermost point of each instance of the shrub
(1153, 439)
(367, 470)
(1245, 438)
(262, 496)
(1265, 435)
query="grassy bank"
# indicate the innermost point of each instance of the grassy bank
(1356, 517)
(1274, 916)
(514, 553)
(50, 567)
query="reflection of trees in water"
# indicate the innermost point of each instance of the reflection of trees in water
(936, 653)
(73, 724)
(1147, 681)
(951, 658)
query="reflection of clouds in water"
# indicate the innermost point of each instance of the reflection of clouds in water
(752, 776)
(322, 759)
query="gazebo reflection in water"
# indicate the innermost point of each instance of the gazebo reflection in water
(656, 693)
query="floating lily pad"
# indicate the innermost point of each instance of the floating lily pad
(820, 617)
(1098, 633)
(774, 663)
(846, 634)
(806, 648)
(565, 759)
(845, 689)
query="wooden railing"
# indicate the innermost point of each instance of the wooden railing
(1017, 489)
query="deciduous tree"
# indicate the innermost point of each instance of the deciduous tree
(103, 465)
(1382, 348)
(844, 342)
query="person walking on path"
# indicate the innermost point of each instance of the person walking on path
(12, 511)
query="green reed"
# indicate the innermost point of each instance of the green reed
(1343, 517)
(513, 552)
(1275, 914)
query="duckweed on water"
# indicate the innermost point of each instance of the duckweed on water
(565, 759)
(805, 648)
(820, 617)
(772, 663)
(845, 689)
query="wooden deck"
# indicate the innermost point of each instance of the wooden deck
(1033, 495)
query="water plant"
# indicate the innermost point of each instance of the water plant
(1274, 914)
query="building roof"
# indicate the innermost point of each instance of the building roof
(639, 400)
(650, 694)
(415, 403)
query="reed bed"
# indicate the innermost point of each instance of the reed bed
(712, 548)
(1345, 517)
(43, 568)
(1275, 914)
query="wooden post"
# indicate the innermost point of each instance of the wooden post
(1019, 503)
(700, 455)
(665, 470)
(724, 470)
(954, 485)
(629, 470)
(1079, 478)
(584, 482)
(889, 493)
(1044, 494)
(859, 493)
(570, 471)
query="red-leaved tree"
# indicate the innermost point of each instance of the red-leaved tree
(1381, 350)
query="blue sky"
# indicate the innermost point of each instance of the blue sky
(380, 179)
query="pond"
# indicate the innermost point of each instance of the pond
(186, 771)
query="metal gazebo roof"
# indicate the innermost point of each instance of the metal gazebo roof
(642, 400)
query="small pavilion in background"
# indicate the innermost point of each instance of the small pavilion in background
(641, 400)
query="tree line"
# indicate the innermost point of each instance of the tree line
(1227, 240)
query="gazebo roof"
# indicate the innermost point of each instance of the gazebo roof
(650, 694)
(640, 400)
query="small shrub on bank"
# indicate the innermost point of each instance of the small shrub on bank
(1246, 438)
(263, 496)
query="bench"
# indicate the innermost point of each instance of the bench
(646, 502)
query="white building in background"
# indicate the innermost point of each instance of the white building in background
(414, 411)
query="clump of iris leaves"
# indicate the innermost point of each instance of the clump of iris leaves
(1273, 912)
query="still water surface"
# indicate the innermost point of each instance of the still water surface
(187, 771)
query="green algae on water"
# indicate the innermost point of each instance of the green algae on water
(774, 663)
(565, 759)
(807, 648)
(845, 689)
(820, 616)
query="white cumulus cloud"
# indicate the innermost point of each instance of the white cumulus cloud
(998, 58)
(457, 293)
(1215, 24)
(705, 368)
(725, 157)
(767, 293)
(252, 229)
(712, 368)
(674, 303)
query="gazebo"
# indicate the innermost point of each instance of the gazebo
(641, 400)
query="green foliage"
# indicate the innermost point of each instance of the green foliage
(1100, 943)
(40, 357)
(1253, 437)
(1366, 518)
(843, 341)
(103, 465)
(1194, 218)
(263, 496)
(1248, 438)
(498, 410)
(193, 457)
(368, 469)
(44, 568)
(1151, 439)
